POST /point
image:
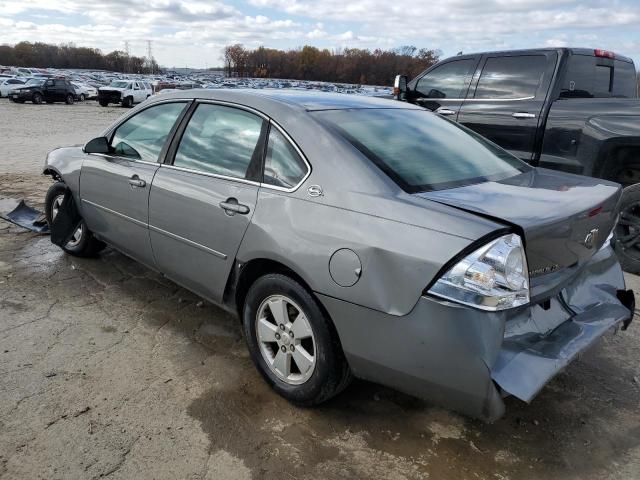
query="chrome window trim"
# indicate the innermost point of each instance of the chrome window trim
(242, 180)
(188, 242)
(479, 99)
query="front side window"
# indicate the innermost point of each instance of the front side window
(283, 166)
(222, 141)
(511, 77)
(142, 136)
(421, 151)
(447, 81)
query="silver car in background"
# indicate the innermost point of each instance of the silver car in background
(358, 237)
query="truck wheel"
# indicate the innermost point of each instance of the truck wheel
(627, 234)
(127, 102)
(69, 99)
(82, 97)
(103, 103)
(37, 98)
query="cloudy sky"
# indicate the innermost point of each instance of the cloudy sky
(193, 33)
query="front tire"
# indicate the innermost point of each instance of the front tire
(82, 97)
(69, 100)
(83, 243)
(127, 102)
(36, 99)
(292, 342)
(103, 103)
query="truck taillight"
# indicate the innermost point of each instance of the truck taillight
(604, 53)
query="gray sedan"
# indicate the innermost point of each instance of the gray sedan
(355, 237)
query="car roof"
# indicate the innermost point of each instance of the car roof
(298, 99)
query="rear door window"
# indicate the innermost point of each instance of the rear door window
(447, 81)
(283, 166)
(223, 141)
(511, 77)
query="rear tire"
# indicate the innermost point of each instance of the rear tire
(313, 341)
(69, 100)
(627, 234)
(82, 97)
(84, 244)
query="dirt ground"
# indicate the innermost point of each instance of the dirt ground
(109, 370)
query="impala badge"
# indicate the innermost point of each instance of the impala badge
(591, 239)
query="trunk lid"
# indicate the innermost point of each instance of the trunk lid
(565, 218)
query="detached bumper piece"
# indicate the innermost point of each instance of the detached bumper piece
(529, 361)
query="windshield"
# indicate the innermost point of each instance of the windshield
(35, 81)
(119, 84)
(421, 151)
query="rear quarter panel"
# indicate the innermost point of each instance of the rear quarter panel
(398, 259)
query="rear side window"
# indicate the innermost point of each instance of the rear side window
(421, 151)
(142, 136)
(589, 76)
(447, 81)
(283, 166)
(223, 141)
(511, 77)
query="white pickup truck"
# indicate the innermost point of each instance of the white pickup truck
(124, 92)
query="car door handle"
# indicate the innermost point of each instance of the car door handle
(445, 111)
(523, 115)
(231, 207)
(136, 182)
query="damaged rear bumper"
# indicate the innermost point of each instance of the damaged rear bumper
(468, 360)
(527, 362)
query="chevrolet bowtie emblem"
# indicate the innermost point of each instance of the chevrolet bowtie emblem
(591, 239)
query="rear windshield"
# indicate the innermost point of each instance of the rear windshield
(595, 77)
(421, 151)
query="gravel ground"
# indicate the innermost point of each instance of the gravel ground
(109, 370)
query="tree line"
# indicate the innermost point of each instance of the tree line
(349, 65)
(44, 55)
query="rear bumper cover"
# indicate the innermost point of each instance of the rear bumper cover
(466, 359)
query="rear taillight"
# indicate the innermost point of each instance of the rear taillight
(603, 53)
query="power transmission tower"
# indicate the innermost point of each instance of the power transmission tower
(128, 54)
(150, 55)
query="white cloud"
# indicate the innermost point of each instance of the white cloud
(195, 31)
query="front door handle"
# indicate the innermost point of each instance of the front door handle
(445, 111)
(136, 182)
(523, 115)
(231, 207)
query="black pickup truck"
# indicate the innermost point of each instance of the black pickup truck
(570, 109)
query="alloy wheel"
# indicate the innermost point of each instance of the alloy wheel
(286, 339)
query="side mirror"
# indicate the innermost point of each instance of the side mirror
(97, 145)
(400, 88)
